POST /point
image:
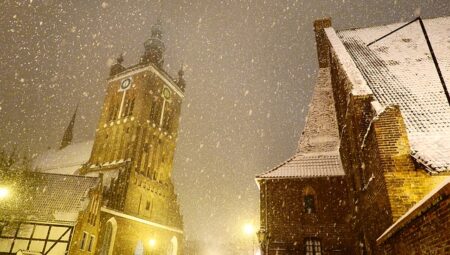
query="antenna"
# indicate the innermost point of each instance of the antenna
(430, 48)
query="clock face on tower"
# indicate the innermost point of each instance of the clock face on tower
(125, 84)
(166, 93)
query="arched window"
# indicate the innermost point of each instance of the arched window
(173, 247)
(309, 200)
(109, 237)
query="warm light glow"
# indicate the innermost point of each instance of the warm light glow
(4, 192)
(258, 252)
(152, 243)
(249, 229)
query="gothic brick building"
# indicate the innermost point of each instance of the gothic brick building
(137, 210)
(134, 148)
(381, 150)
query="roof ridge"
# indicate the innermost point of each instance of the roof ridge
(305, 157)
(278, 166)
(388, 24)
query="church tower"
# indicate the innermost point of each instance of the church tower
(134, 147)
(68, 134)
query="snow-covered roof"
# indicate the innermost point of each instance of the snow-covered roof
(64, 161)
(431, 199)
(54, 198)
(318, 151)
(309, 165)
(400, 71)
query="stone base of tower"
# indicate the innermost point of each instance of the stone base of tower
(126, 234)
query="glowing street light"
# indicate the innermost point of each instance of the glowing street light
(249, 229)
(152, 243)
(4, 192)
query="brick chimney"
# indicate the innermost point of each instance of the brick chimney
(321, 42)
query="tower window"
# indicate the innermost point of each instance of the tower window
(312, 246)
(83, 240)
(91, 243)
(147, 206)
(129, 107)
(154, 110)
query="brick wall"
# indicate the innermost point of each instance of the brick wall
(289, 224)
(89, 223)
(425, 234)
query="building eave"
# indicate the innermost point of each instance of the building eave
(140, 220)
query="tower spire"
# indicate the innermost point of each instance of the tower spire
(154, 47)
(117, 67)
(68, 134)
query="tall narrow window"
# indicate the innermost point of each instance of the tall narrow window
(312, 246)
(309, 200)
(130, 113)
(154, 111)
(83, 241)
(91, 243)
(309, 203)
(109, 237)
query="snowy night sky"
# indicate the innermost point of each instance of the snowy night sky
(250, 69)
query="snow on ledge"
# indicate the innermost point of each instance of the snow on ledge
(360, 86)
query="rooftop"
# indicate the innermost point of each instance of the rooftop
(318, 150)
(308, 166)
(64, 161)
(400, 71)
(50, 197)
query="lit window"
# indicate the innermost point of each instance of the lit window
(312, 246)
(91, 243)
(83, 241)
(309, 203)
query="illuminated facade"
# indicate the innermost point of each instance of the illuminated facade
(134, 148)
(124, 200)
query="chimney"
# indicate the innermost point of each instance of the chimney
(321, 42)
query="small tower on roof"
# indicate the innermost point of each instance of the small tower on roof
(154, 47)
(68, 134)
(181, 82)
(117, 67)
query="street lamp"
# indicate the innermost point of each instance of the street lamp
(249, 230)
(4, 193)
(152, 244)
